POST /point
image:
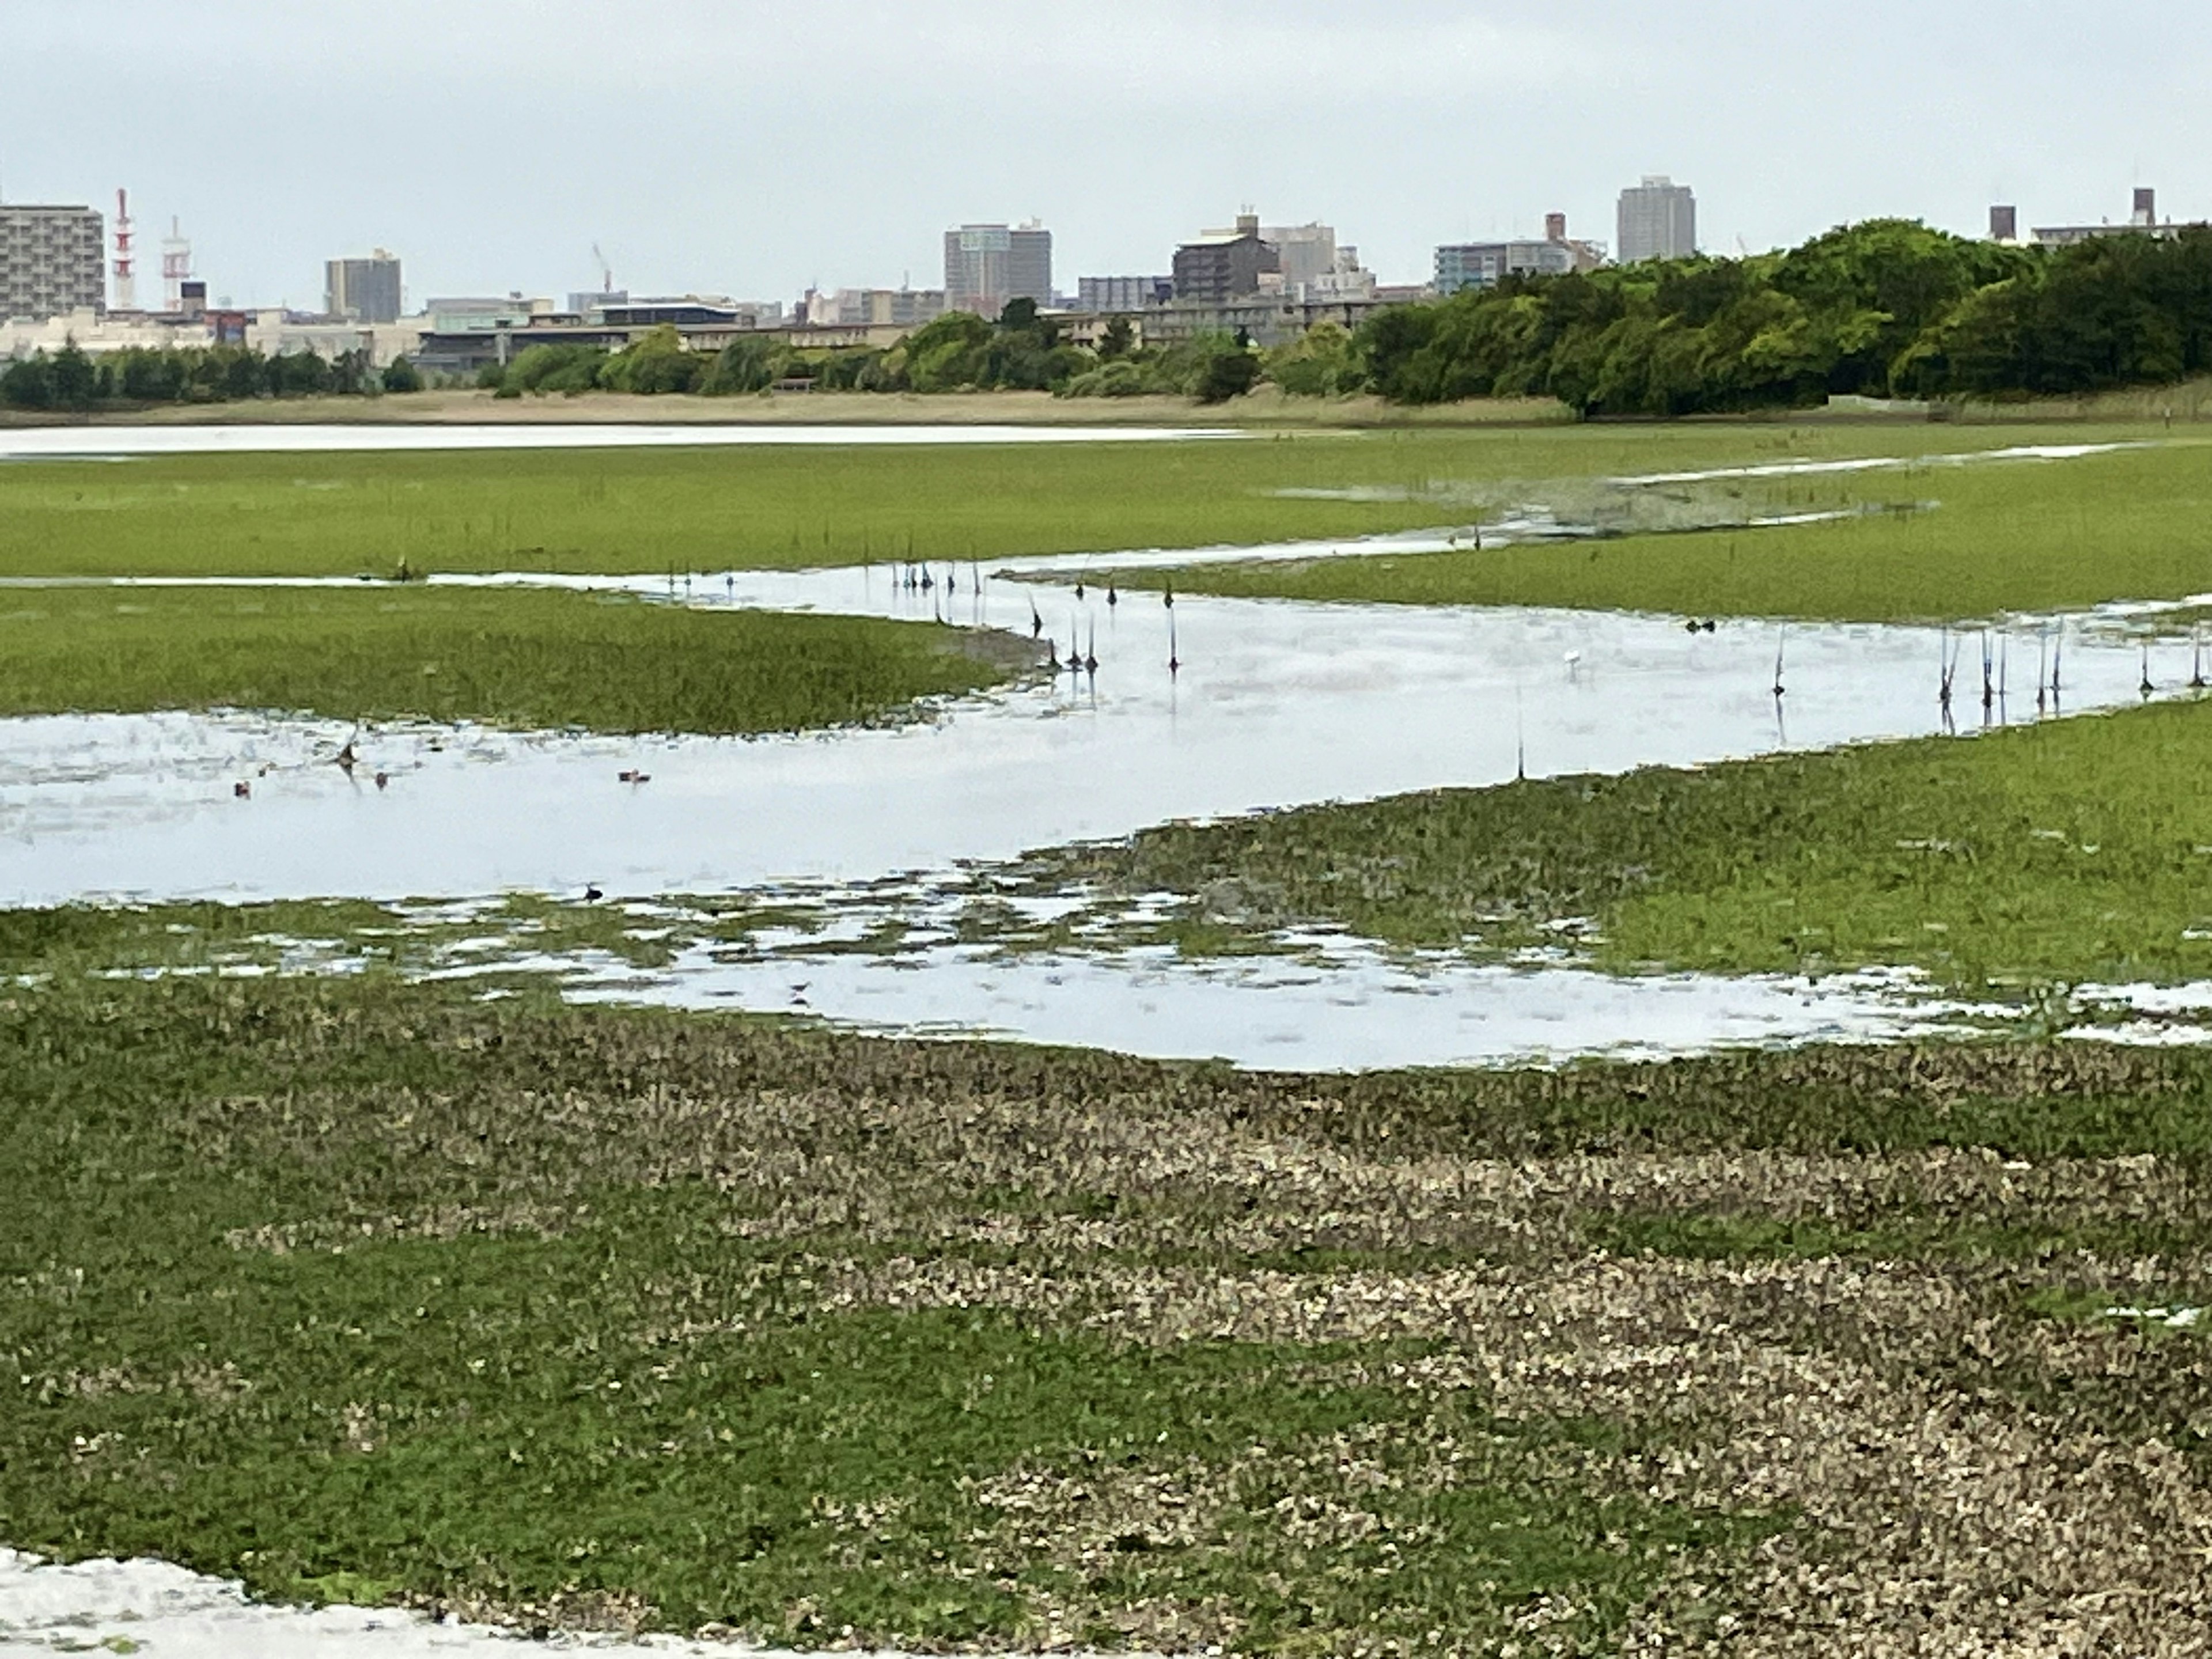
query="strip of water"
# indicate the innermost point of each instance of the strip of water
(91, 442)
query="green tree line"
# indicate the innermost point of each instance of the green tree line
(75, 380)
(1889, 309)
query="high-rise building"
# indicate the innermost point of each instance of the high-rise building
(364, 290)
(1306, 253)
(52, 262)
(988, 266)
(1658, 221)
(1226, 265)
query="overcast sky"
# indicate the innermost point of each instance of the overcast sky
(741, 147)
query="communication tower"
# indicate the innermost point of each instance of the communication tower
(176, 268)
(126, 269)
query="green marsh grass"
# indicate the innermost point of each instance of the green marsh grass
(2076, 851)
(529, 659)
(1998, 537)
(656, 510)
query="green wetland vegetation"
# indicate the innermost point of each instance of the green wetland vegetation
(524, 659)
(569, 1316)
(572, 1316)
(651, 511)
(2076, 851)
(1941, 543)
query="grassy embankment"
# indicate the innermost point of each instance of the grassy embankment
(524, 659)
(571, 1317)
(2076, 851)
(2027, 535)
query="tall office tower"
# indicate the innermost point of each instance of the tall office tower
(53, 260)
(1658, 221)
(364, 290)
(988, 266)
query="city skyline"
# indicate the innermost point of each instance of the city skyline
(689, 186)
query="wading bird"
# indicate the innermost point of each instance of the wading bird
(591, 894)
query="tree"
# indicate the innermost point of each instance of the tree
(75, 381)
(402, 376)
(1228, 371)
(1119, 339)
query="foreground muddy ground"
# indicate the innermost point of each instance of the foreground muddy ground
(370, 1292)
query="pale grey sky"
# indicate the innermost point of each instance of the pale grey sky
(751, 148)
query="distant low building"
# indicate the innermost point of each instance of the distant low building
(1108, 295)
(860, 307)
(1485, 264)
(1215, 269)
(2144, 221)
(52, 262)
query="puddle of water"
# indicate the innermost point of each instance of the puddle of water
(88, 442)
(167, 1612)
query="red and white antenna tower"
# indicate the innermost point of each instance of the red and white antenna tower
(126, 269)
(176, 268)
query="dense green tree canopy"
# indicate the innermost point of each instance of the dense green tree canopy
(1886, 308)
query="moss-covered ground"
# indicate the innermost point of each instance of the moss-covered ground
(587, 1318)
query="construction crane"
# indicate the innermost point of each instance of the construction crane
(606, 275)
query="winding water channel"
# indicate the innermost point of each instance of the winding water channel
(1270, 704)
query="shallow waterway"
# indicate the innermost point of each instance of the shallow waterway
(1268, 704)
(89, 442)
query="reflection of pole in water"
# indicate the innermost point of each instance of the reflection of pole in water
(1174, 652)
(2042, 669)
(1781, 644)
(1948, 665)
(1090, 650)
(1989, 681)
(2146, 688)
(1520, 740)
(2196, 659)
(1036, 621)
